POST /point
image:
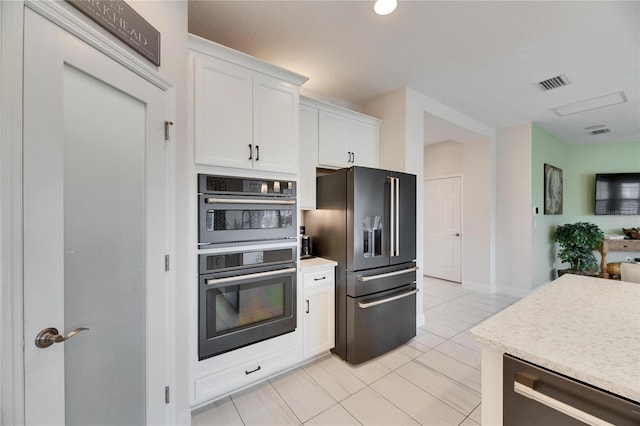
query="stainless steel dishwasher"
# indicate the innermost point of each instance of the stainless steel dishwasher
(536, 396)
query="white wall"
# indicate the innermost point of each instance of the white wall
(477, 205)
(443, 159)
(514, 210)
(391, 108)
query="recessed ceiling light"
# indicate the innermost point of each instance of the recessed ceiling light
(385, 7)
(593, 103)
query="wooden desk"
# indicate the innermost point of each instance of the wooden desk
(615, 245)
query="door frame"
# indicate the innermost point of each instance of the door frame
(11, 169)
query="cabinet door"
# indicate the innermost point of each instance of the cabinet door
(308, 157)
(222, 113)
(363, 140)
(275, 119)
(319, 320)
(333, 140)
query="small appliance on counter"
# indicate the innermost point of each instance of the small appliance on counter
(305, 244)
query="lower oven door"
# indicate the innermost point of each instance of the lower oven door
(380, 322)
(243, 307)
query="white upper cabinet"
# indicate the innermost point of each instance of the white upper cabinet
(347, 138)
(245, 111)
(223, 111)
(275, 124)
(308, 157)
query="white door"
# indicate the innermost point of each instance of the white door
(95, 235)
(442, 228)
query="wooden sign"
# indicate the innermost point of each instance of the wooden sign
(121, 20)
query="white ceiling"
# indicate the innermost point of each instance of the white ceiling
(481, 58)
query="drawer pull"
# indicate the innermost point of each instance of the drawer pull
(387, 275)
(365, 305)
(524, 385)
(320, 279)
(252, 371)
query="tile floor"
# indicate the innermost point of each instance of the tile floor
(432, 380)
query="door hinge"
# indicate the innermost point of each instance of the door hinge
(166, 129)
(166, 394)
(166, 263)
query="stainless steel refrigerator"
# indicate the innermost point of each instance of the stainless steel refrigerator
(365, 219)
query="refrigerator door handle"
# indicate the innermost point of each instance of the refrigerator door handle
(392, 217)
(397, 215)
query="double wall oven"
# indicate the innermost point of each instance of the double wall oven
(246, 261)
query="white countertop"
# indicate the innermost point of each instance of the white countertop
(307, 265)
(586, 328)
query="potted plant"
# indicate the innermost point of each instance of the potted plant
(577, 242)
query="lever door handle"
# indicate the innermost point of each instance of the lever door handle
(49, 336)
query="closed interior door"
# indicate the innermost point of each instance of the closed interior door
(442, 228)
(95, 221)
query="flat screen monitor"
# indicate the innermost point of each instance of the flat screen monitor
(617, 194)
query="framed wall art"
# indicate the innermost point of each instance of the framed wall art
(552, 190)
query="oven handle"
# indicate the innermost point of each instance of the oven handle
(242, 201)
(365, 305)
(388, 274)
(524, 385)
(213, 281)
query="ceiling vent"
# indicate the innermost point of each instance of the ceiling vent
(554, 82)
(597, 129)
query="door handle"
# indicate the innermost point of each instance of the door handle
(49, 336)
(457, 234)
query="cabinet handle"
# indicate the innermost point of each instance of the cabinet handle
(353, 157)
(320, 279)
(252, 371)
(250, 152)
(307, 307)
(257, 152)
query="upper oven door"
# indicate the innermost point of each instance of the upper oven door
(234, 219)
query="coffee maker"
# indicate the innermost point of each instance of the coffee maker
(305, 244)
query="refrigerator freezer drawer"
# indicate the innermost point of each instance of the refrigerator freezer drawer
(362, 283)
(380, 322)
(537, 396)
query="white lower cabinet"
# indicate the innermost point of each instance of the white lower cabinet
(232, 371)
(319, 311)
